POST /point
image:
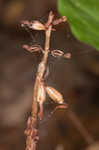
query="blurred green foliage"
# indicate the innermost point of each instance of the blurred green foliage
(83, 17)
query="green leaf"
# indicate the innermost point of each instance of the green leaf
(83, 17)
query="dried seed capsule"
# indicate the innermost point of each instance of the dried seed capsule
(36, 25)
(41, 94)
(33, 48)
(41, 98)
(57, 53)
(54, 95)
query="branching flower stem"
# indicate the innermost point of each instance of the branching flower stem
(31, 131)
(42, 66)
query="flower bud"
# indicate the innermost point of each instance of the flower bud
(55, 95)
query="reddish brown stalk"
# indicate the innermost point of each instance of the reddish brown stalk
(39, 92)
(31, 131)
(41, 68)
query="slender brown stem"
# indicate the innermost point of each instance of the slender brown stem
(42, 67)
(31, 131)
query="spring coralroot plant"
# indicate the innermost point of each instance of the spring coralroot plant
(40, 89)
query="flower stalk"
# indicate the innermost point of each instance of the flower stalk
(39, 91)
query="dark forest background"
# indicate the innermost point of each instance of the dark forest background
(77, 79)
